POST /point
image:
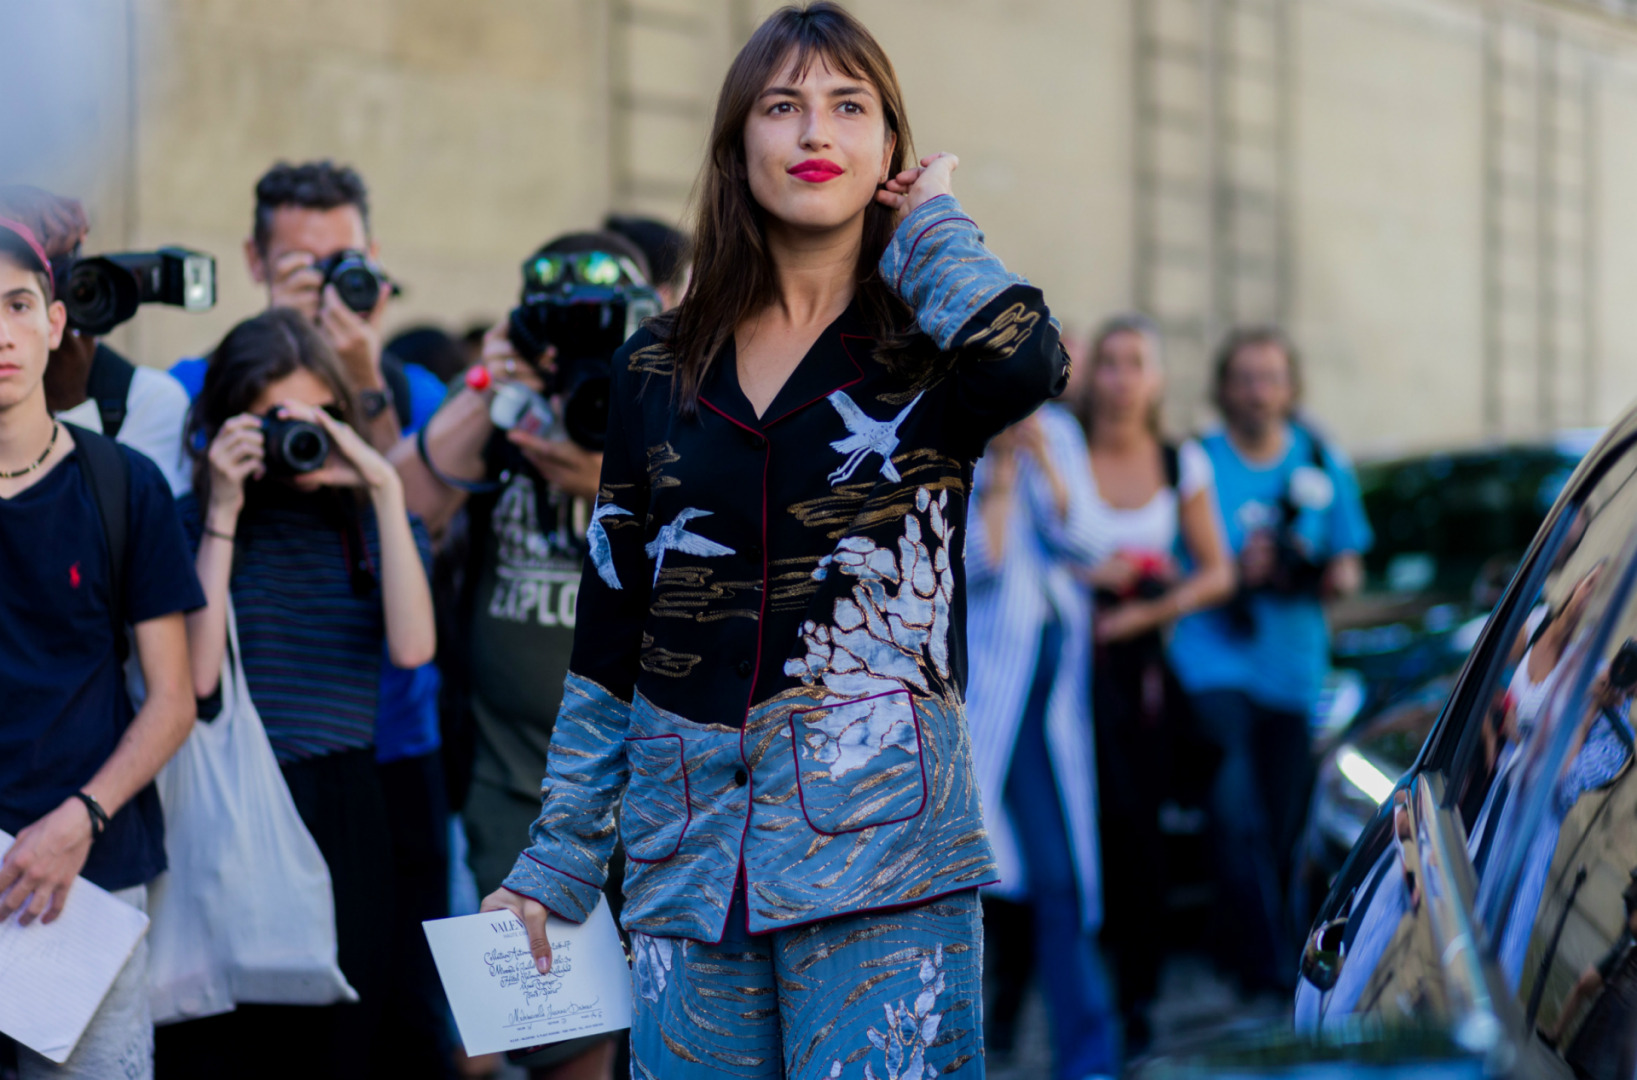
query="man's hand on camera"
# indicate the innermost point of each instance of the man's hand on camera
(355, 338)
(296, 283)
(41, 865)
(567, 466)
(505, 365)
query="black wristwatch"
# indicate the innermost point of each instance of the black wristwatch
(375, 402)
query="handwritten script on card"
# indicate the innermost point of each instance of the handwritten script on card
(501, 1002)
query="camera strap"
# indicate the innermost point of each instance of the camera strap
(1288, 509)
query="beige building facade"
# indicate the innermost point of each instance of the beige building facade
(1435, 195)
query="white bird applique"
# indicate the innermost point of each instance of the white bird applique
(868, 436)
(602, 555)
(676, 537)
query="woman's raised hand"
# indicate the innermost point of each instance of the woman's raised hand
(912, 187)
(236, 455)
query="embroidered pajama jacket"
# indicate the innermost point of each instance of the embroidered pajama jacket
(769, 655)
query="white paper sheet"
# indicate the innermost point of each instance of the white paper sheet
(501, 1002)
(53, 978)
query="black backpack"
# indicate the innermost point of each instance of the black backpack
(109, 474)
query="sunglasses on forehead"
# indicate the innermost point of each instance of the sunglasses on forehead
(580, 268)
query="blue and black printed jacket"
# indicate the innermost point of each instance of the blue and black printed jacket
(769, 656)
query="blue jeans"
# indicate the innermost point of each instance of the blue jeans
(1257, 802)
(1066, 954)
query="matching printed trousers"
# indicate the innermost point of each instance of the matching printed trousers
(893, 995)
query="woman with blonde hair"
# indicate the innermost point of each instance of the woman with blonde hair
(1166, 558)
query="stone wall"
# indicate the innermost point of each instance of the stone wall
(1433, 193)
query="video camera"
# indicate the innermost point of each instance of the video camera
(103, 291)
(584, 305)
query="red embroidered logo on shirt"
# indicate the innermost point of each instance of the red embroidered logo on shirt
(74, 575)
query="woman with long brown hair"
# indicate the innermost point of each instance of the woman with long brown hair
(320, 569)
(769, 657)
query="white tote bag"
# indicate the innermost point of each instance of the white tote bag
(244, 913)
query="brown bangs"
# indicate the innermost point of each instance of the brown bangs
(733, 272)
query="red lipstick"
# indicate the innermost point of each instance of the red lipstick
(815, 170)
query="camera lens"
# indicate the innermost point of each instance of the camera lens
(305, 447)
(359, 287)
(585, 413)
(99, 295)
(294, 446)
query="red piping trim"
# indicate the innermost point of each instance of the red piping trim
(854, 381)
(920, 760)
(761, 623)
(687, 796)
(897, 285)
(565, 873)
(526, 896)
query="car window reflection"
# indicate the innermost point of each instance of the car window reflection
(1539, 772)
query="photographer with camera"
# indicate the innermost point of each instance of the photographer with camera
(519, 449)
(302, 524)
(87, 383)
(1293, 518)
(312, 249)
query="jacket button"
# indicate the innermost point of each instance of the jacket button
(739, 778)
(756, 441)
(744, 669)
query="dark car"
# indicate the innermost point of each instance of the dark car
(1485, 921)
(1450, 530)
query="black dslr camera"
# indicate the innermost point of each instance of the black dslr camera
(293, 446)
(102, 291)
(356, 277)
(1295, 572)
(584, 305)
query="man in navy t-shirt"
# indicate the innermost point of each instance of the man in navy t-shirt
(76, 760)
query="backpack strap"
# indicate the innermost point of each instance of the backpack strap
(110, 387)
(1173, 466)
(109, 474)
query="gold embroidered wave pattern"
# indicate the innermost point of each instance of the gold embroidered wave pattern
(687, 592)
(1003, 337)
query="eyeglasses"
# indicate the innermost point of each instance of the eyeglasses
(580, 268)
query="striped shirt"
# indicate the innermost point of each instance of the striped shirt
(311, 644)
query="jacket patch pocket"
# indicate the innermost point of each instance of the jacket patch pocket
(858, 764)
(656, 810)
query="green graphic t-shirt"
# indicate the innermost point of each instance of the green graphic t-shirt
(523, 631)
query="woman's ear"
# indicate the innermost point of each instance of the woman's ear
(886, 155)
